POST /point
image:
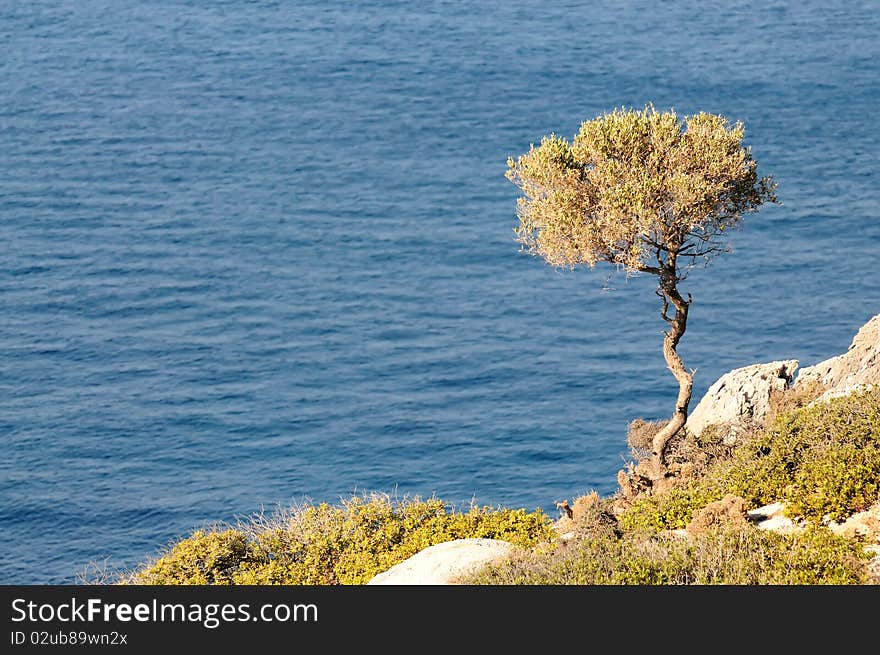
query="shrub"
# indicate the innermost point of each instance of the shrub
(203, 558)
(688, 456)
(729, 554)
(835, 481)
(335, 544)
(671, 510)
(821, 461)
(639, 434)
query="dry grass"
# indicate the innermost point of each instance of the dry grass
(639, 434)
(783, 402)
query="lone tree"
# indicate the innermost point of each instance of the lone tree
(648, 193)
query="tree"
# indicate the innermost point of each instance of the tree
(648, 193)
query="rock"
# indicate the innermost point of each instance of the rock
(766, 512)
(857, 367)
(874, 564)
(442, 563)
(816, 373)
(771, 517)
(730, 509)
(741, 395)
(865, 525)
(862, 525)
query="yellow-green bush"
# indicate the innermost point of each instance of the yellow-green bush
(204, 558)
(820, 460)
(336, 544)
(736, 555)
(667, 511)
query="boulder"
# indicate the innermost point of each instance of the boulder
(865, 525)
(772, 517)
(874, 564)
(442, 563)
(857, 367)
(741, 395)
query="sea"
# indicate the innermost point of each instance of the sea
(255, 254)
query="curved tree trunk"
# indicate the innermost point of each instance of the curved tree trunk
(677, 327)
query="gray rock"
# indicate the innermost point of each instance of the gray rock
(858, 367)
(816, 373)
(442, 563)
(741, 395)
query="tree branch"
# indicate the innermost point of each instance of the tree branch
(663, 312)
(653, 270)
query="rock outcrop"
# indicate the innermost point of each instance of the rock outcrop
(442, 563)
(858, 366)
(741, 395)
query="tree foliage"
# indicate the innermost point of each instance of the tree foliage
(633, 187)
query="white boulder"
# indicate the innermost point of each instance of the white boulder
(442, 563)
(771, 517)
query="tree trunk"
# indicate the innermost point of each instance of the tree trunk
(677, 327)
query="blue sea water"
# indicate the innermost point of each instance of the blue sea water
(256, 252)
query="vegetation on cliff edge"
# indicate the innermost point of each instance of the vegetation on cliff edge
(822, 461)
(327, 544)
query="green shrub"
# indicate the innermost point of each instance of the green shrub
(835, 481)
(667, 511)
(820, 460)
(203, 558)
(735, 555)
(342, 544)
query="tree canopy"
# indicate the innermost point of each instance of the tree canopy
(633, 187)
